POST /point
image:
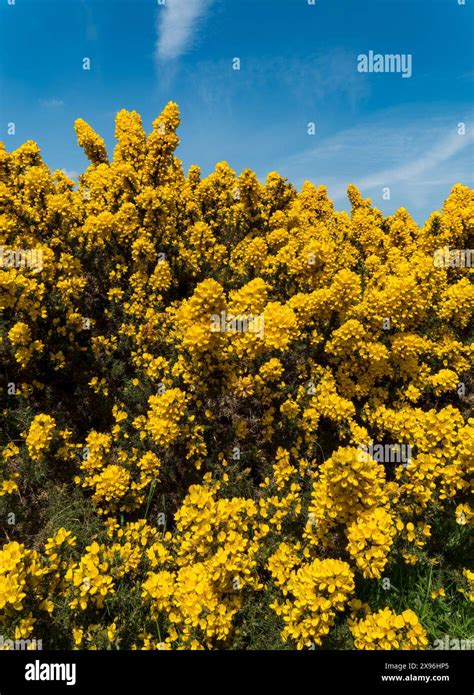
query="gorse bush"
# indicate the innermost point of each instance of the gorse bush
(233, 417)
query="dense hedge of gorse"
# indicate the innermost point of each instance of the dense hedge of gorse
(201, 381)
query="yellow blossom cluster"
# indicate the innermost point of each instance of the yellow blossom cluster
(40, 435)
(387, 630)
(317, 590)
(347, 484)
(214, 559)
(370, 539)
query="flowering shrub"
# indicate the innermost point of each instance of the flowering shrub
(194, 379)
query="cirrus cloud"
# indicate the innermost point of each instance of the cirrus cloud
(177, 23)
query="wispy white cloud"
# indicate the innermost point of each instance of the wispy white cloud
(309, 81)
(427, 162)
(177, 23)
(90, 26)
(418, 156)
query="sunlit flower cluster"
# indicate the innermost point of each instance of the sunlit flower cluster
(388, 630)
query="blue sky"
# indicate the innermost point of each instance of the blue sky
(298, 65)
